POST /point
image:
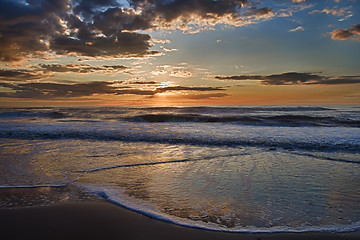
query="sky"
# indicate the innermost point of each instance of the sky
(179, 52)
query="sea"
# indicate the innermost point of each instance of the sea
(222, 168)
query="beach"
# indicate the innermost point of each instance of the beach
(103, 220)
(236, 172)
(170, 119)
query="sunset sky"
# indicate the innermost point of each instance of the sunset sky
(179, 52)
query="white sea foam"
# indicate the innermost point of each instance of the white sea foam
(118, 196)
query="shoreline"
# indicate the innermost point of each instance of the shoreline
(103, 220)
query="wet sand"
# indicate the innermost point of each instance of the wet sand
(103, 220)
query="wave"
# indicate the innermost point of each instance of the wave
(188, 118)
(32, 114)
(278, 120)
(262, 137)
(115, 196)
(259, 115)
(237, 108)
(91, 112)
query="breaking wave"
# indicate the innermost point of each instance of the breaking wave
(309, 138)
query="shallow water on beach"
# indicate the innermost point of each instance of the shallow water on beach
(240, 169)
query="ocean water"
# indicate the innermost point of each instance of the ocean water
(225, 168)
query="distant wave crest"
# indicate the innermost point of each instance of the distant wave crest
(278, 120)
(259, 115)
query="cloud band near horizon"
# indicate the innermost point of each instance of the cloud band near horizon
(48, 90)
(293, 78)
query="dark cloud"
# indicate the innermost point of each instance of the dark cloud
(295, 78)
(56, 90)
(80, 68)
(135, 92)
(88, 7)
(46, 70)
(105, 28)
(122, 44)
(345, 34)
(338, 80)
(25, 29)
(37, 28)
(20, 75)
(144, 82)
(114, 20)
(60, 90)
(181, 88)
(258, 11)
(291, 78)
(341, 34)
(171, 10)
(355, 29)
(190, 15)
(240, 77)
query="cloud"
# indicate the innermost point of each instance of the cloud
(335, 11)
(299, 28)
(355, 29)
(180, 74)
(163, 41)
(56, 90)
(135, 92)
(258, 11)
(181, 88)
(343, 12)
(182, 70)
(80, 68)
(290, 78)
(20, 75)
(42, 71)
(109, 28)
(150, 14)
(190, 15)
(144, 82)
(338, 80)
(346, 34)
(168, 49)
(38, 28)
(294, 78)
(158, 72)
(112, 28)
(123, 44)
(187, 15)
(341, 34)
(25, 29)
(240, 77)
(206, 96)
(49, 90)
(88, 7)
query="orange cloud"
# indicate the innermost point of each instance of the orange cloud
(345, 34)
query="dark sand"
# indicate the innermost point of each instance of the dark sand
(103, 220)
